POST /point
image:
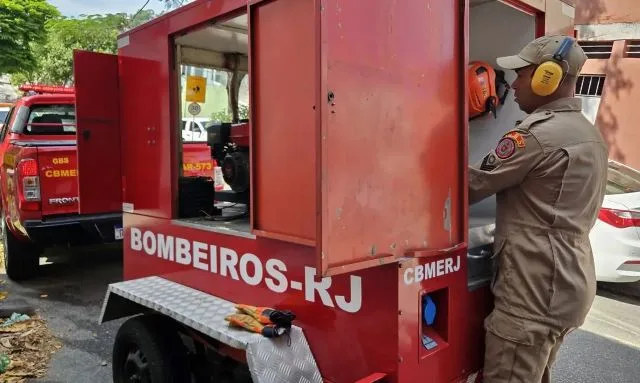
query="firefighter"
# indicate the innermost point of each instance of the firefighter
(548, 174)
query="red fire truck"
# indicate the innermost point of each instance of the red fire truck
(346, 214)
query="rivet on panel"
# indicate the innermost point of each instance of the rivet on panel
(373, 250)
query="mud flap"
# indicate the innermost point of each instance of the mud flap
(270, 360)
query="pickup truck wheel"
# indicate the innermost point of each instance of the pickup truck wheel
(21, 259)
(148, 349)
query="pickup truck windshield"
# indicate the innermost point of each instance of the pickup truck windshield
(51, 119)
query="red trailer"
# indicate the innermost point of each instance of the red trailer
(348, 185)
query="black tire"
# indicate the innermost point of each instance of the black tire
(21, 259)
(147, 349)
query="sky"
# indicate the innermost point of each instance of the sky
(79, 7)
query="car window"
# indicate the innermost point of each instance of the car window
(5, 122)
(197, 127)
(51, 119)
(622, 179)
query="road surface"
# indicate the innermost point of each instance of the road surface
(606, 349)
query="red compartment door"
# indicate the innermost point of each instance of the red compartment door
(392, 134)
(98, 132)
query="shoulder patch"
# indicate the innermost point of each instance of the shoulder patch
(489, 162)
(506, 148)
(517, 137)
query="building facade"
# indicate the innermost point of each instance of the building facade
(609, 32)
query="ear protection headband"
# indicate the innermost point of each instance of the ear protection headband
(550, 73)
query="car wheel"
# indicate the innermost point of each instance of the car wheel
(21, 259)
(148, 349)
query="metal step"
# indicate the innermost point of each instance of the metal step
(270, 360)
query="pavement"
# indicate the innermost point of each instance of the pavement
(69, 294)
(606, 348)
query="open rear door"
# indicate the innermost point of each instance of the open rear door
(392, 132)
(98, 133)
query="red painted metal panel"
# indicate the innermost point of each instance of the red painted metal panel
(145, 137)
(391, 133)
(458, 327)
(58, 179)
(98, 132)
(284, 119)
(351, 328)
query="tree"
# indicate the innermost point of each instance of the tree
(96, 33)
(171, 4)
(22, 24)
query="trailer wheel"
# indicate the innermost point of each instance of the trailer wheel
(148, 349)
(21, 259)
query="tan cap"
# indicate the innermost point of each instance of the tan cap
(542, 49)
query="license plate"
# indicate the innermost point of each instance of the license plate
(119, 232)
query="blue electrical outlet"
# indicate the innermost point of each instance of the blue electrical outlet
(428, 310)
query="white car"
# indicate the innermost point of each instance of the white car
(193, 131)
(615, 238)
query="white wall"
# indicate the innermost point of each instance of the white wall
(614, 31)
(495, 30)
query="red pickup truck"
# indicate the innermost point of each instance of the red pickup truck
(39, 183)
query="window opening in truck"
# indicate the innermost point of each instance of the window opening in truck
(51, 120)
(488, 40)
(213, 110)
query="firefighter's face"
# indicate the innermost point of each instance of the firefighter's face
(524, 96)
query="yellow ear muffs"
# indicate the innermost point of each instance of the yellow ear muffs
(547, 78)
(549, 74)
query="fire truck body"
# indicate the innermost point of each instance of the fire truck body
(350, 178)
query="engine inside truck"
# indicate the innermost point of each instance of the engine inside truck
(487, 41)
(214, 88)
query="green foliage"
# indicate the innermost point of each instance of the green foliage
(22, 24)
(225, 115)
(54, 56)
(171, 4)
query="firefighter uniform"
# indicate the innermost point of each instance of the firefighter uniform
(549, 176)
